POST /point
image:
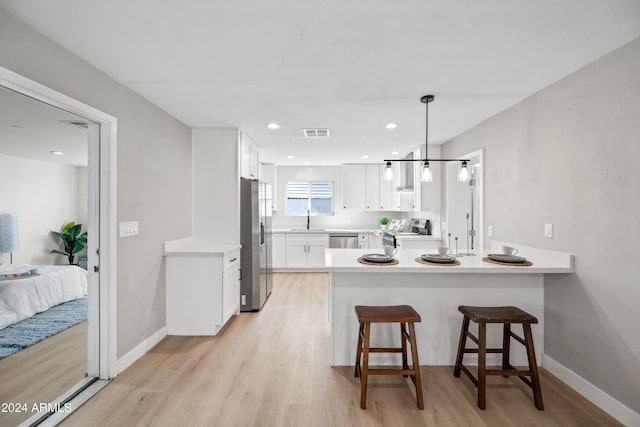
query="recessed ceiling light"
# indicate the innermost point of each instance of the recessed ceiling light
(307, 163)
(365, 157)
(57, 153)
(394, 153)
(273, 126)
(391, 125)
(291, 157)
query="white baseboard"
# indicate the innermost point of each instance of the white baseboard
(138, 351)
(611, 406)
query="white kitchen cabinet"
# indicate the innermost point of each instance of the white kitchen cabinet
(306, 249)
(316, 244)
(363, 240)
(269, 174)
(361, 186)
(250, 163)
(372, 187)
(202, 287)
(354, 186)
(279, 250)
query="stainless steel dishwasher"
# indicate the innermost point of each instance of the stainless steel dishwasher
(343, 240)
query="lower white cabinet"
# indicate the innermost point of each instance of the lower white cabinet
(306, 249)
(417, 243)
(202, 290)
(279, 250)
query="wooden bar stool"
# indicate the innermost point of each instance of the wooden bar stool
(402, 314)
(506, 316)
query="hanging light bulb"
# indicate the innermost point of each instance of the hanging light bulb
(463, 172)
(388, 174)
(427, 176)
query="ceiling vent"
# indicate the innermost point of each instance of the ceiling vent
(316, 133)
(76, 123)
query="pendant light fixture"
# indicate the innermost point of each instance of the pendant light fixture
(427, 173)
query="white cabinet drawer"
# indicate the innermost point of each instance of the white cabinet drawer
(231, 260)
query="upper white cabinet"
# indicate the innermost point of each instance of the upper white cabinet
(361, 186)
(269, 174)
(373, 187)
(250, 163)
(354, 186)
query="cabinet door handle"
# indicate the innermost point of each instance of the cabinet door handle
(239, 274)
(233, 259)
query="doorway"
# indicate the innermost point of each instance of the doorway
(100, 225)
(464, 205)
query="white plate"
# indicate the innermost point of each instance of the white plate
(442, 259)
(381, 258)
(507, 258)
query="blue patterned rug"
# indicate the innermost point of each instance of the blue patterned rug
(29, 331)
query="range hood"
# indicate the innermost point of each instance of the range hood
(406, 174)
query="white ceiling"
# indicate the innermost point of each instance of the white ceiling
(348, 65)
(31, 129)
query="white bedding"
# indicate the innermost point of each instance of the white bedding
(22, 298)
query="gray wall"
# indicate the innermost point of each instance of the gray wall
(570, 155)
(154, 170)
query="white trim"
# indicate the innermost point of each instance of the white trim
(611, 406)
(138, 351)
(106, 316)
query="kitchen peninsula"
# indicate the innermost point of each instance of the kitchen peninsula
(435, 292)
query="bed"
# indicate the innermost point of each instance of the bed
(26, 290)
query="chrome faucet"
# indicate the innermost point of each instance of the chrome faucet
(308, 218)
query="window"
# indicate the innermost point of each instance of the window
(315, 197)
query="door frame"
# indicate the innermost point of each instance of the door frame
(479, 154)
(102, 180)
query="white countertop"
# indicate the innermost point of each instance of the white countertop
(346, 260)
(192, 246)
(324, 230)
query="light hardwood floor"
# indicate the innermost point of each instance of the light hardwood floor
(43, 371)
(270, 369)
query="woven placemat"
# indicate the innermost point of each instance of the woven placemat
(526, 263)
(438, 264)
(364, 261)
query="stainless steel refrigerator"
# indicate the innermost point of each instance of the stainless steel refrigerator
(255, 237)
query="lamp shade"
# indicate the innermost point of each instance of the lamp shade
(8, 233)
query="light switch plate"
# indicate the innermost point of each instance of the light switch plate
(129, 228)
(548, 230)
(490, 231)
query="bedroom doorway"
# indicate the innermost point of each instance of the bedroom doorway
(81, 189)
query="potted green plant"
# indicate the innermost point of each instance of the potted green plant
(384, 222)
(73, 240)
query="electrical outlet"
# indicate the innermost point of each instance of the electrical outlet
(548, 230)
(490, 231)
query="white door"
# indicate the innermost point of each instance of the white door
(373, 187)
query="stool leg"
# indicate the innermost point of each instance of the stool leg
(403, 338)
(461, 346)
(482, 367)
(365, 367)
(416, 365)
(533, 366)
(359, 349)
(506, 346)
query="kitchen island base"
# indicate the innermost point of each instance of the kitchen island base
(436, 298)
